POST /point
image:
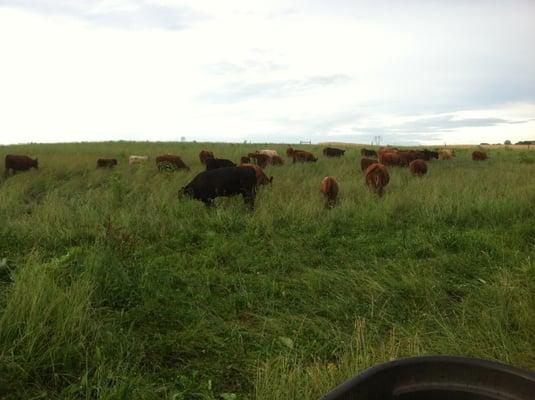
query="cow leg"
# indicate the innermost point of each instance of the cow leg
(331, 203)
(208, 202)
(380, 191)
(249, 197)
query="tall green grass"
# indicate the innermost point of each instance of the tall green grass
(111, 287)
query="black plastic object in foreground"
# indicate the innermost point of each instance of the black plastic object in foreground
(438, 378)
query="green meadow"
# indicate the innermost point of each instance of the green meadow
(113, 288)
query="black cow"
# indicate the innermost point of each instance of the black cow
(19, 163)
(333, 152)
(428, 154)
(229, 181)
(106, 162)
(215, 163)
(368, 153)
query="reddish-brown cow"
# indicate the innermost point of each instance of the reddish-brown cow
(418, 167)
(259, 159)
(303, 156)
(377, 178)
(204, 155)
(329, 188)
(261, 177)
(366, 162)
(479, 156)
(245, 160)
(170, 160)
(276, 160)
(406, 157)
(389, 158)
(289, 152)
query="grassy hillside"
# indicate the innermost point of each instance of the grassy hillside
(112, 288)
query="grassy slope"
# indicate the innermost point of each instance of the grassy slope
(112, 288)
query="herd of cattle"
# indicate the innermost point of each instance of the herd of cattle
(223, 177)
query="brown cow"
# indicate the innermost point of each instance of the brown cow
(303, 156)
(333, 152)
(276, 160)
(245, 160)
(204, 155)
(261, 177)
(169, 160)
(479, 155)
(329, 188)
(444, 155)
(268, 152)
(19, 163)
(418, 167)
(259, 159)
(377, 178)
(106, 162)
(289, 152)
(389, 158)
(406, 157)
(366, 162)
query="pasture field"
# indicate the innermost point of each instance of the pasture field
(112, 288)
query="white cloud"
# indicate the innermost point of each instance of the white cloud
(211, 70)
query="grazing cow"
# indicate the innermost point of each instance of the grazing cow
(445, 154)
(276, 160)
(106, 162)
(329, 188)
(406, 157)
(389, 158)
(245, 160)
(289, 152)
(418, 155)
(137, 160)
(19, 163)
(366, 162)
(333, 152)
(418, 167)
(204, 155)
(479, 155)
(261, 177)
(268, 152)
(259, 159)
(428, 155)
(303, 156)
(170, 161)
(226, 182)
(368, 153)
(215, 163)
(377, 178)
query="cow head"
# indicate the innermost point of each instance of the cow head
(35, 164)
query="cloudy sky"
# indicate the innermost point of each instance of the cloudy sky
(409, 72)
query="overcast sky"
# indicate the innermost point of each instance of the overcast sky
(411, 72)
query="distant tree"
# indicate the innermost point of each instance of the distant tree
(507, 142)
